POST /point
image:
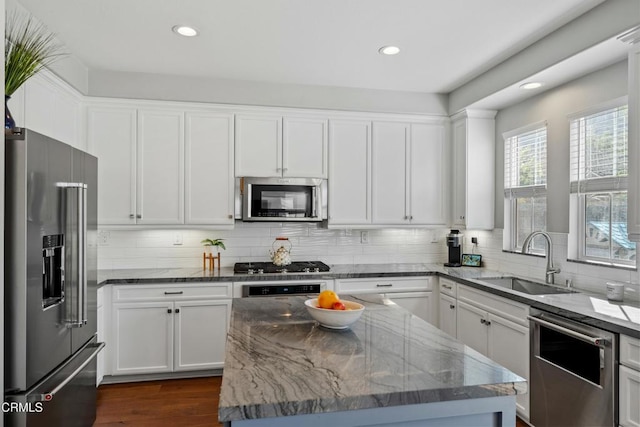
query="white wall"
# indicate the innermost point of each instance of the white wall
(252, 242)
(114, 84)
(583, 276)
(554, 106)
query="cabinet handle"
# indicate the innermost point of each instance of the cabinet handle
(139, 216)
(177, 310)
(388, 285)
(230, 216)
(132, 216)
(285, 169)
(447, 287)
(451, 306)
(173, 293)
(169, 310)
(406, 217)
(278, 169)
(411, 217)
(487, 322)
(483, 321)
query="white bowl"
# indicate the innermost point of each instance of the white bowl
(335, 319)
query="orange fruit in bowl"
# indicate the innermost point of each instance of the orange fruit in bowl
(327, 298)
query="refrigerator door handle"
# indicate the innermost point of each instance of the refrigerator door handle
(76, 243)
(48, 396)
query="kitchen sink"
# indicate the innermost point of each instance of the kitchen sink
(526, 286)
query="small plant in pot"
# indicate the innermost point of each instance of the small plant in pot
(210, 243)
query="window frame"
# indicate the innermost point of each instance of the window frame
(512, 194)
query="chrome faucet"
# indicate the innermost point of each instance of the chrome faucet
(551, 270)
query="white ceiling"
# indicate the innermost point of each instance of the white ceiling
(444, 43)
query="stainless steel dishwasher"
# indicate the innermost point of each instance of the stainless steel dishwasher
(572, 378)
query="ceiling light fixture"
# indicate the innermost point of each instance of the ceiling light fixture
(184, 30)
(530, 85)
(389, 50)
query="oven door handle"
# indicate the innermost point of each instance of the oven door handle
(597, 341)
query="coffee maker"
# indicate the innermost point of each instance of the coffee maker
(454, 243)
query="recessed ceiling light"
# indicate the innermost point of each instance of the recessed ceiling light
(389, 50)
(184, 30)
(530, 85)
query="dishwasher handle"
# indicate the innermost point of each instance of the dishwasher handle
(597, 341)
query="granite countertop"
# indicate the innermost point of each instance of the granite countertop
(280, 362)
(589, 308)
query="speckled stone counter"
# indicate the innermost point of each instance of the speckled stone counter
(592, 309)
(279, 362)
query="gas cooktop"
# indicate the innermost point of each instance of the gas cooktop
(268, 267)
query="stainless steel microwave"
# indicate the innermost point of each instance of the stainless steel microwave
(284, 199)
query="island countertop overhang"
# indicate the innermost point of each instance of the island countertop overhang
(280, 362)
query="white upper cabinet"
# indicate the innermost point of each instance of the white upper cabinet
(209, 183)
(160, 167)
(262, 150)
(474, 169)
(633, 214)
(305, 148)
(428, 184)
(408, 174)
(389, 173)
(49, 106)
(112, 138)
(258, 146)
(349, 172)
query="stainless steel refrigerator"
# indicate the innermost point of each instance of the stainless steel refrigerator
(50, 282)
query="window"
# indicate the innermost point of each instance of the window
(599, 167)
(525, 184)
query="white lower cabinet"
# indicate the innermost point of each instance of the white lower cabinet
(629, 382)
(100, 360)
(412, 293)
(161, 329)
(498, 328)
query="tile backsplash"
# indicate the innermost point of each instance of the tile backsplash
(176, 248)
(252, 242)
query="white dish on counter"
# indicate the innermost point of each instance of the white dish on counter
(335, 319)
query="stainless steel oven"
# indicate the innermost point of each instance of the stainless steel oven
(283, 199)
(572, 373)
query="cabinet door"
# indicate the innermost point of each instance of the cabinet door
(200, 334)
(305, 148)
(427, 184)
(471, 327)
(418, 303)
(633, 208)
(459, 171)
(508, 345)
(112, 138)
(349, 173)
(100, 335)
(448, 321)
(142, 338)
(389, 174)
(258, 146)
(160, 167)
(209, 181)
(40, 105)
(629, 397)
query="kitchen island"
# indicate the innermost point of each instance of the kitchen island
(389, 369)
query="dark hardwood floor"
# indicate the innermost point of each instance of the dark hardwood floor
(185, 402)
(176, 403)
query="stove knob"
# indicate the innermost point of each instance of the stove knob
(284, 270)
(250, 271)
(306, 269)
(316, 270)
(261, 271)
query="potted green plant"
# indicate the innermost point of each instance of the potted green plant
(210, 243)
(28, 48)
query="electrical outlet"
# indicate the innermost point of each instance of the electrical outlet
(434, 238)
(474, 240)
(177, 239)
(103, 238)
(364, 237)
